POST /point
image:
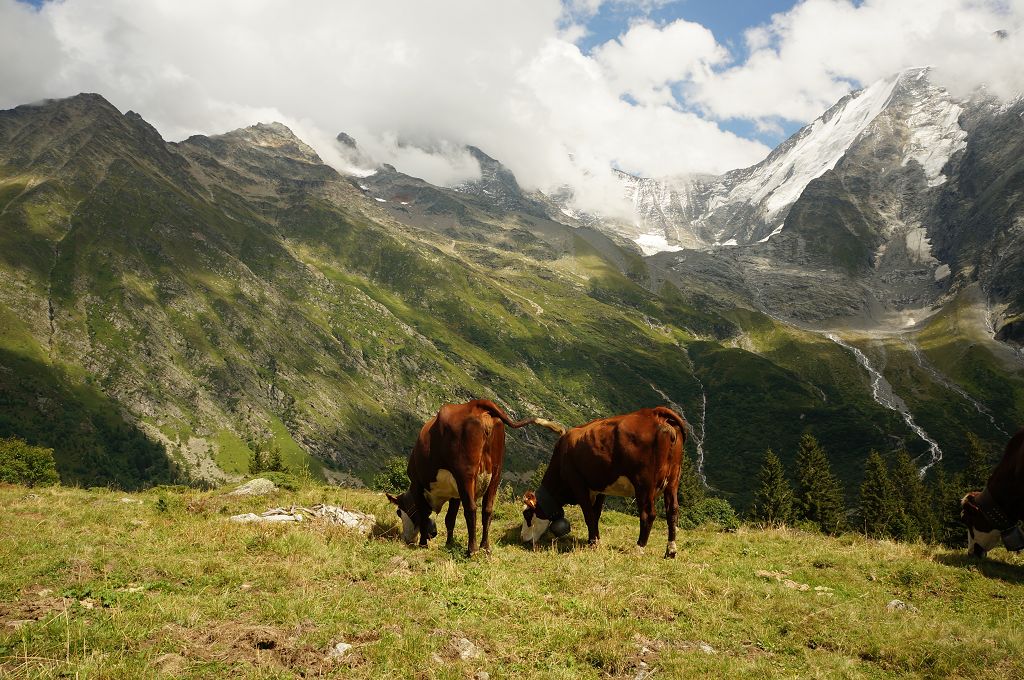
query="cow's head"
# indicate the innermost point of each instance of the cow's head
(406, 511)
(534, 526)
(982, 535)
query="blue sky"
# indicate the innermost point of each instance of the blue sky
(726, 19)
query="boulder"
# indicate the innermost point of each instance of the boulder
(255, 487)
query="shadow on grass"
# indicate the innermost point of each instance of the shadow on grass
(511, 537)
(988, 567)
(386, 529)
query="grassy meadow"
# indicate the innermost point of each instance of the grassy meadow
(103, 584)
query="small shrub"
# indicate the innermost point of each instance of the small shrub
(393, 476)
(285, 480)
(716, 511)
(537, 477)
(21, 463)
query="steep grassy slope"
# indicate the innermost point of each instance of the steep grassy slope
(165, 586)
(226, 291)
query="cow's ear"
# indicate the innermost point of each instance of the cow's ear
(393, 499)
(530, 499)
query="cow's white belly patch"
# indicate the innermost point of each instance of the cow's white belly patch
(483, 480)
(444, 488)
(620, 487)
(441, 490)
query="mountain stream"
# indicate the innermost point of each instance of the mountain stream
(882, 393)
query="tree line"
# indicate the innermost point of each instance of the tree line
(894, 500)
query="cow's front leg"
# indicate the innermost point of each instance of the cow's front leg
(645, 502)
(449, 521)
(426, 524)
(591, 515)
(467, 494)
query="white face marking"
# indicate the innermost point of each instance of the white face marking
(620, 487)
(532, 532)
(986, 540)
(442, 490)
(409, 528)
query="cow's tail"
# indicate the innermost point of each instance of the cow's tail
(674, 419)
(497, 412)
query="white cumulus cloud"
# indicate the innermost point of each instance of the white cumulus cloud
(414, 82)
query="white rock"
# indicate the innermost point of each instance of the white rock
(255, 487)
(900, 605)
(339, 650)
(466, 649)
(253, 517)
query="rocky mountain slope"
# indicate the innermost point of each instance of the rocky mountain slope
(168, 306)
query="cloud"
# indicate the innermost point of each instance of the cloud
(414, 82)
(645, 60)
(805, 59)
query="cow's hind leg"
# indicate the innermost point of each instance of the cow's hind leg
(449, 520)
(487, 512)
(671, 516)
(467, 494)
(645, 503)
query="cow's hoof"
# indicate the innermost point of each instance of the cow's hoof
(594, 543)
(670, 551)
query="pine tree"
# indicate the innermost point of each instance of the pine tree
(819, 496)
(944, 496)
(979, 463)
(879, 507)
(274, 463)
(257, 461)
(917, 516)
(773, 501)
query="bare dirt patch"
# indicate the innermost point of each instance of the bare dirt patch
(237, 643)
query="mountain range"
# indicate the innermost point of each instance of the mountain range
(167, 307)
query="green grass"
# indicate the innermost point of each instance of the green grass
(232, 454)
(95, 587)
(293, 455)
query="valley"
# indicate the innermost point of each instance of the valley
(186, 302)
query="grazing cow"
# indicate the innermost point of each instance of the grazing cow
(994, 513)
(457, 459)
(636, 455)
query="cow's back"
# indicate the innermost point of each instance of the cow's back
(605, 449)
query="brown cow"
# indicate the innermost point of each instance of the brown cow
(457, 459)
(638, 455)
(994, 513)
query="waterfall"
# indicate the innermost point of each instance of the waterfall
(882, 393)
(946, 382)
(698, 437)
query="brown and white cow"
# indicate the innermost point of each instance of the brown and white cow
(635, 455)
(457, 460)
(994, 513)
